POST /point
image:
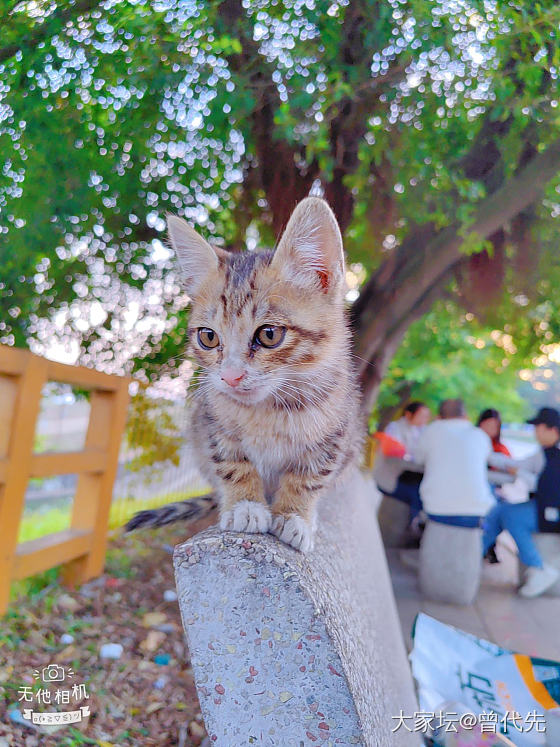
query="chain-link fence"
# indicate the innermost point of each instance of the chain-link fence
(157, 464)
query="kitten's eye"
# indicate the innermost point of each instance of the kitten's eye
(207, 338)
(269, 336)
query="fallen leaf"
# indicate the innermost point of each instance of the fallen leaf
(5, 674)
(68, 603)
(70, 652)
(37, 639)
(151, 619)
(153, 641)
(196, 730)
(121, 690)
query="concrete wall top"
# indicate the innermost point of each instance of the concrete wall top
(292, 649)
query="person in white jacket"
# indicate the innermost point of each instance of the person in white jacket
(454, 452)
(396, 477)
(409, 428)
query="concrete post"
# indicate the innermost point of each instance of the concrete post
(298, 650)
(394, 518)
(450, 563)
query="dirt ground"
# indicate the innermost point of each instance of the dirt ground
(146, 696)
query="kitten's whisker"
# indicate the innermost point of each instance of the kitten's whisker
(304, 376)
(311, 412)
(364, 360)
(311, 387)
(179, 356)
(282, 401)
(304, 399)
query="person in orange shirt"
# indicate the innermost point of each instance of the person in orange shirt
(491, 423)
(393, 471)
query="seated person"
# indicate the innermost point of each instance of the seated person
(455, 488)
(391, 474)
(540, 474)
(490, 422)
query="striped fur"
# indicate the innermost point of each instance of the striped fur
(274, 443)
(189, 510)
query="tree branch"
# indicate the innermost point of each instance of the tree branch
(423, 262)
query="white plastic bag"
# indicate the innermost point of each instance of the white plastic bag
(450, 665)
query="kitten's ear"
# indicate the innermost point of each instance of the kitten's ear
(310, 252)
(195, 257)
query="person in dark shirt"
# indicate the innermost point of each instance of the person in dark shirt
(540, 473)
(547, 494)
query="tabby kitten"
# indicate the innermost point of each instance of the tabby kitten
(276, 416)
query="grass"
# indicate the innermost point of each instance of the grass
(39, 523)
(123, 508)
(42, 522)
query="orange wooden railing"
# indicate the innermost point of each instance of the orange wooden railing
(81, 548)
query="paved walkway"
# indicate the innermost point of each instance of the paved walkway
(528, 626)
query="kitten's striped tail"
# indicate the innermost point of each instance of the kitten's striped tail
(189, 510)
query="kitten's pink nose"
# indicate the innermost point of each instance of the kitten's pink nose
(232, 376)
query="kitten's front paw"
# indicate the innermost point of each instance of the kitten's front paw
(247, 516)
(294, 531)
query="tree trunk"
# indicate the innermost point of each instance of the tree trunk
(406, 285)
(387, 414)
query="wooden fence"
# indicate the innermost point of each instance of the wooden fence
(81, 548)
